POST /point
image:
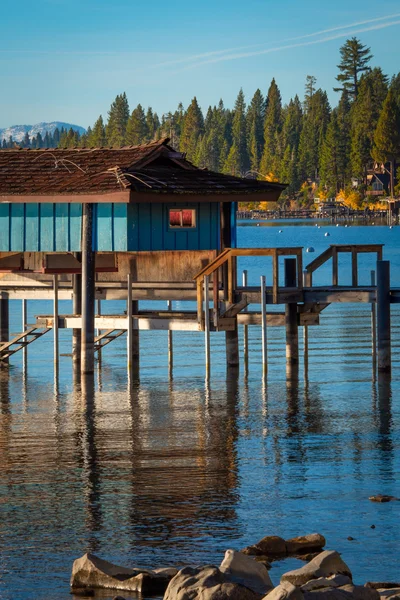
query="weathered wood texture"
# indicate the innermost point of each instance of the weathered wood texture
(88, 291)
(383, 315)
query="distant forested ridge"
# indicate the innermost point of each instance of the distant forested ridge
(314, 148)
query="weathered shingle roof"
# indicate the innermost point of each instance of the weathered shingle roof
(154, 168)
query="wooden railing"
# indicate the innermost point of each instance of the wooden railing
(223, 267)
(332, 253)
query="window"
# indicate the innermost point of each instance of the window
(182, 218)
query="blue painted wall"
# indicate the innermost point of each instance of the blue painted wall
(117, 227)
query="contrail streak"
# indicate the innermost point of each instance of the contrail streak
(288, 46)
(301, 37)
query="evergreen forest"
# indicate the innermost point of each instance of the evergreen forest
(317, 149)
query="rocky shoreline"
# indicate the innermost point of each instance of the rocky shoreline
(240, 576)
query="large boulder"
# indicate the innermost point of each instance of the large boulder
(305, 543)
(206, 583)
(325, 564)
(284, 591)
(246, 571)
(389, 593)
(347, 592)
(272, 546)
(323, 582)
(90, 571)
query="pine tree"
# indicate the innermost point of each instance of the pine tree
(39, 140)
(136, 130)
(315, 122)
(56, 137)
(97, 136)
(46, 141)
(118, 116)
(232, 165)
(193, 127)
(330, 156)
(387, 134)
(354, 61)
(239, 136)
(152, 124)
(291, 133)
(27, 142)
(344, 145)
(255, 127)
(272, 127)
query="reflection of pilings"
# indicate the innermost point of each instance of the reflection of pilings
(385, 441)
(4, 320)
(90, 458)
(291, 318)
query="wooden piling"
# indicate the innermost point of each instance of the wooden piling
(245, 332)
(55, 320)
(291, 318)
(4, 320)
(129, 313)
(305, 335)
(77, 310)
(88, 290)
(24, 323)
(373, 323)
(383, 315)
(207, 323)
(264, 328)
(170, 345)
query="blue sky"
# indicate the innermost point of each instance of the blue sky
(67, 59)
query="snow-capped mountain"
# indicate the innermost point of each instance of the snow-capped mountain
(18, 131)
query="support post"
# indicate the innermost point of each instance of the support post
(264, 328)
(305, 335)
(77, 310)
(373, 323)
(245, 332)
(170, 344)
(55, 319)
(354, 267)
(88, 290)
(207, 323)
(129, 314)
(291, 318)
(335, 272)
(383, 315)
(4, 321)
(24, 323)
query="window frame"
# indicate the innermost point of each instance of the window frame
(182, 227)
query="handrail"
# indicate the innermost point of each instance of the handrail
(227, 260)
(333, 251)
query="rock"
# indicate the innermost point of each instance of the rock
(84, 592)
(271, 545)
(351, 539)
(347, 592)
(91, 571)
(323, 582)
(263, 560)
(251, 551)
(372, 526)
(307, 557)
(285, 591)
(206, 583)
(382, 585)
(305, 543)
(382, 498)
(389, 594)
(246, 571)
(325, 564)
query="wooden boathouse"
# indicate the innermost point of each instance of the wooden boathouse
(136, 222)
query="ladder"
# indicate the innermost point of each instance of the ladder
(106, 337)
(22, 340)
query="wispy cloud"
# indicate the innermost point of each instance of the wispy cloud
(228, 51)
(237, 55)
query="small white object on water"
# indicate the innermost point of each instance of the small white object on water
(280, 231)
(346, 225)
(337, 224)
(391, 227)
(258, 224)
(310, 249)
(316, 224)
(327, 234)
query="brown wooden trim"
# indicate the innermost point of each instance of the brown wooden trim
(121, 197)
(148, 197)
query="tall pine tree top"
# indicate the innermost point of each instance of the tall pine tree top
(387, 133)
(118, 116)
(355, 59)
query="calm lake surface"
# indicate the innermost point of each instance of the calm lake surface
(171, 472)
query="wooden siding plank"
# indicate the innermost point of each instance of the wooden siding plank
(32, 228)
(204, 215)
(47, 227)
(157, 229)
(75, 227)
(5, 241)
(120, 227)
(104, 228)
(62, 227)
(145, 227)
(133, 227)
(17, 227)
(169, 235)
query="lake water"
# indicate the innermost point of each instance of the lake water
(172, 471)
